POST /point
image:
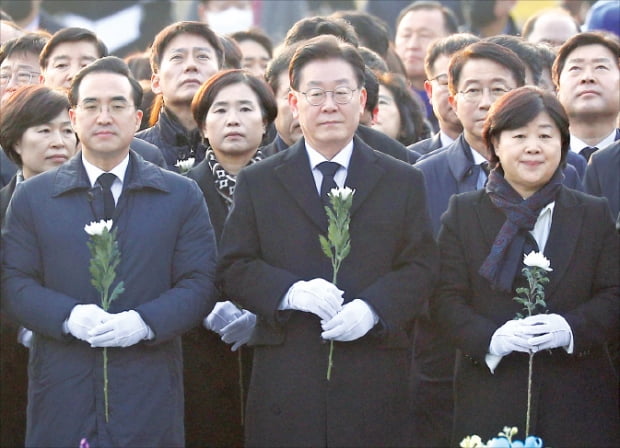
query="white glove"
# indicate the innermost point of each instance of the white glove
(223, 313)
(238, 332)
(354, 320)
(510, 338)
(548, 331)
(83, 318)
(121, 330)
(24, 337)
(316, 296)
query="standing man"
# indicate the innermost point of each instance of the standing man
(183, 56)
(417, 26)
(46, 281)
(436, 87)
(587, 75)
(65, 54)
(272, 262)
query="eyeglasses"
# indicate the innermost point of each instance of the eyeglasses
(115, 108)
(317, 96)
(22, 78)
(442, 79)
(474, 94)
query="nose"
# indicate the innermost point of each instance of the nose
(587, 74)
(329, 102)
(232, 118)
(486, 99)
(57, 140)
(104, 115)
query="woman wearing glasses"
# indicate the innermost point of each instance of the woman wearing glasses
(232, 110)
(483, 239)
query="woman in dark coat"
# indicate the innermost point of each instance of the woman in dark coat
(483, 238)
(232, 110)
(36, 134)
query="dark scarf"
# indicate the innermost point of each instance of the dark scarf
(502, 263)
(224, 181)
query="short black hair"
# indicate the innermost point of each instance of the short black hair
(163, 38)
(232, 53)
(28, 43)
(527, 51)
(608, 40)
(371, 31)
(257, 35)
(308, 28)
(484, 50)
(71, 34)
(446, 46)
(108, 64)
(278, 65)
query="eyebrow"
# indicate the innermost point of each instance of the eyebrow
(338, 81)
(186, 49)
(66, 56)
(114, 98)
(224, 103)
(580, 60)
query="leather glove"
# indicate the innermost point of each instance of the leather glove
(83, 318)
(223, 313)
(354, 320)
(510, 338)
(24, 337)
(238, 332)
(121, 330)
(316, 296)
(548, 331)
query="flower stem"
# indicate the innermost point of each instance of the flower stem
(529, 395)
(240, 365)
(330, 360)
(105, 383)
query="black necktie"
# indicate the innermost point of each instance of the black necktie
(328, 169)
(588, 151)
(106, 180)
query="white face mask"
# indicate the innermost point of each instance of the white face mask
(229, 20)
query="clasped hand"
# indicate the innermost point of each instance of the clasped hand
(233, 324)
(352, 322)
(315, 296)
(529, 335)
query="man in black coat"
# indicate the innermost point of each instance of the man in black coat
(272, 263)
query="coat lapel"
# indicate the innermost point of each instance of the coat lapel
(566, 226)
(363, 173)
(296, 177)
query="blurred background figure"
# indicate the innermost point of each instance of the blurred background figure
(226, 16)
(489, 17)
(400, 115)
(31, 16)
(256, 48)
(550, 26)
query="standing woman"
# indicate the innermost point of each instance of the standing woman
(232, 110)
(36, 134)
(483, 238)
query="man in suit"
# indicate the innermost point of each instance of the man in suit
(436, 87)
(603, 178)
(272, 263)
(66, 53)
(287, 126)
(586, 73)
(168, 286)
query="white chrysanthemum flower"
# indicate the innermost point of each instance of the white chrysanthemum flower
(342, 193)
(185, 165)
(471, 442)
(97, 227)
(538, 260)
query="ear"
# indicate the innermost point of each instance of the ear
(453, 102)
(363, 97)
(375, 112)
(139, 115)
(293, 101)
(155, 87)
(428, 88)
(72, 117)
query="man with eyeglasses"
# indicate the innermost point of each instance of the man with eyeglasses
(19, 66)
(272, 263)
(436, 87)
(168, 286)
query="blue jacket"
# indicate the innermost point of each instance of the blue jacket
(167, 264)
(176, 142)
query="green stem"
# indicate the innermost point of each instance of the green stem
(330, 360)
(529, 396)
(105, 383)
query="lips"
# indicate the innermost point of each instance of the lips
(588, 92)
(58, 158)
(233, 135)
(191, 82)
(103, 133)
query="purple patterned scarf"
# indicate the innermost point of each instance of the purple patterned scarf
(502, 263)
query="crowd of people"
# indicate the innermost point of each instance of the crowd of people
(211, 146)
